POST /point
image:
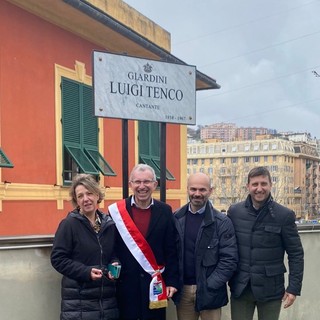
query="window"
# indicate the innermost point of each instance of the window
(246, 159)
(234, 160)
(149, 147)
(4, 160)
(80, 132)
(265, 158)
(256, 159)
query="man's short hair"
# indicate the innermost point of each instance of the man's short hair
(141, 167)
(259, 171)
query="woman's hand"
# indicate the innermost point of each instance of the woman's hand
(96, 274)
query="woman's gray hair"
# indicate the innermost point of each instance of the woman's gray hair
(89, 182)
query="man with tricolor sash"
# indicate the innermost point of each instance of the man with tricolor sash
(146, 248)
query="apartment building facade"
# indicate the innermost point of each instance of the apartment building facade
(222, 131)
(294, 167)
(230, 132)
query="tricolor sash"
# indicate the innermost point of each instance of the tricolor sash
(140, 249)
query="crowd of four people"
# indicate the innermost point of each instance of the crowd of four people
(189, 256)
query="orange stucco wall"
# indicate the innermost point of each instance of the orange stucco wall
(32, 217)
(29, 49)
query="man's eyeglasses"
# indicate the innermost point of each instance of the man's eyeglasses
(144, 182)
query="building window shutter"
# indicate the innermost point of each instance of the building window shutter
(149, 147)
(80, 131)
(4, 160)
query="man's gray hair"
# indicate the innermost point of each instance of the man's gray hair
(143, 167)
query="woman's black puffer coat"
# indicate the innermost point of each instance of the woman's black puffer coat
(76, 250)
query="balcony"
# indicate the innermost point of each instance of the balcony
(30, 287)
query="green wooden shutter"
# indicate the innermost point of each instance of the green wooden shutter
(80, 128)
(149, 146)
(154, 139)
(71, 112)
(72, 105)
(144, 148)
(100, 163)
(89, 121)
(4, 160)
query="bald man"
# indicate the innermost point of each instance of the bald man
(208, 254)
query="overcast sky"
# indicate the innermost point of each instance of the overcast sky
(262, 53)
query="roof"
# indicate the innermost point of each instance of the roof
(93, 23)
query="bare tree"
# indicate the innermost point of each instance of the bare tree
(230, 185)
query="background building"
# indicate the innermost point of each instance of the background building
(294, 168)
(251, 133)
(230, 132)
(222, 131)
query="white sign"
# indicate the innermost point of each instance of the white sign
(140, 89)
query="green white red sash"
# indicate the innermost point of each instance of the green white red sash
(142, 252)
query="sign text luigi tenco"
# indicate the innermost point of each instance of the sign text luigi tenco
(139, 89)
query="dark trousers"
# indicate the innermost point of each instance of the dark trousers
(242, 308)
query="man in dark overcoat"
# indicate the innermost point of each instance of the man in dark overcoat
(265, 231)
(208, 254)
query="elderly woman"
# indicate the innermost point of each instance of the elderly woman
(82, 249)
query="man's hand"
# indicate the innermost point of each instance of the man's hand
(288, 299)
(171, 291)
